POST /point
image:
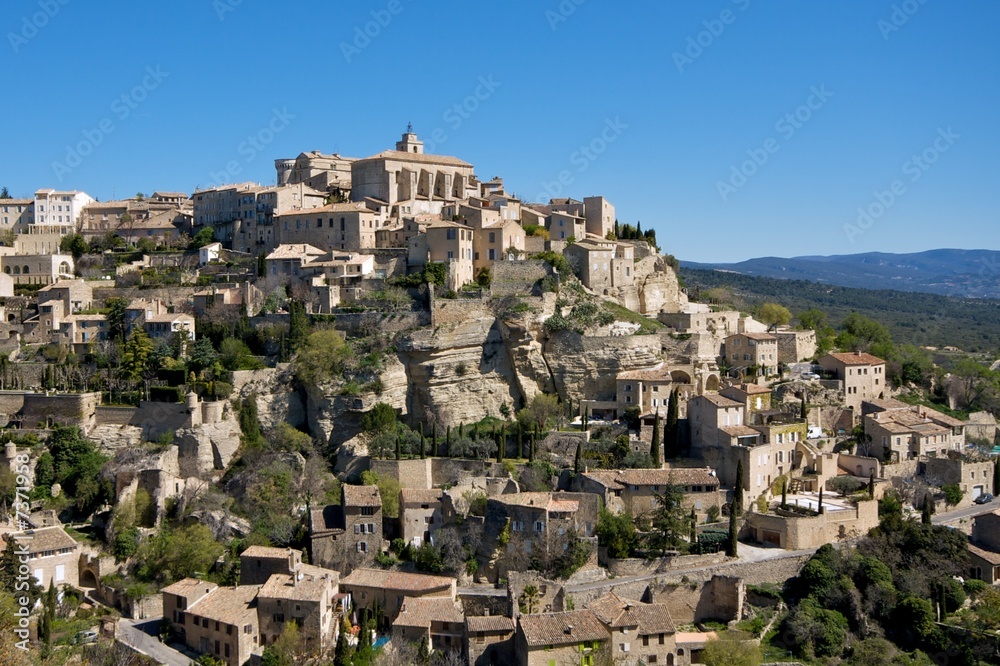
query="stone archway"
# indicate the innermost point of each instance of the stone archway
(712, 383)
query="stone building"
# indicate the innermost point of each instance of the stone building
(420, 514)
(792, 530)
(640, 633)
(347, 535)
(308, 597)
(407, 174)
(323, 172)
(52, 555)
(439, 621)
(564, 226)
(984, 548)
(449, 243)
(40, 269)
(489, 640)
(17, 214)
(863, 376)
(259, 563)
(570, 637)
(337, 226)
(634, 491)
(602, 264)
(600, 216)
(795, 346)
(389, 589)
(752, 354)
(217, 621)
(650, 389)
(899, 431)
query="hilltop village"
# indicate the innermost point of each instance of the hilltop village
(385, 411)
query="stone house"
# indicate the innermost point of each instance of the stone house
(708, 414)
(899, 431)
(984, 547)
(40, 269)
(75, 295)
(650, 389)
(17, 214)
(563, 226)
(218, 621)
(634, 490)
(794, 531)
(754, 354)
(537, 522)
(259, 563)
(420, 514)
(349, 534)
(166, 326)
(570, 637)
(449, 243)
(600, 216)
(489, 640)
(319, 171)
(289, 259)
(52, 555)
(438, 620)
(640, 633)
(863, 376)
(795, 346)
(602, 264)
(340, 226)
(308, 597)
(407, 175)
(389, 589)
(974, 478)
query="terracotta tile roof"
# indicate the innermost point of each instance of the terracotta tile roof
(740, 431)
(397, 581)
(294, 251)
(420, 612)
(886, 404)
(567, 628)
(552, 502)
(763, 337)
(16, 202)
(856, 358)
(684, 476)
(694, 638)
(45, 539)
(660, 373)
(307, 588)
(361, 496)
(267, 552)
(232, 605)
(720, 401)
(489, 624)
(616, 612)
(988, 555)
(417, 157)
(421, 496)
(190, 588)
(654, 619)
(749, 389)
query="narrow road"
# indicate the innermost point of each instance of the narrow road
(133, 636)
(968, 512)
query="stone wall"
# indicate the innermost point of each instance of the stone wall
(119, 416)
(458, 310)
(64, 408)
(659, 565)
(409, 473)
(359, 323)
(518, 277)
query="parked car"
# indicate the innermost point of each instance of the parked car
(815, 432)
(985, 498)
(82, 637)
(810, 375)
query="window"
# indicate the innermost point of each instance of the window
(450, 234)
(367, 511)
(539, 526)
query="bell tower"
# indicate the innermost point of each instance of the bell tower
(410, 143)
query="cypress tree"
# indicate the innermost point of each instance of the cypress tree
(261, 266)
(871, 485)
(738, 489)
(694, 527)
(784, 493)
(461, 430)
(819, 504)
(499, 443)
(531, 449)
(654, 449)
(732, 544)
(671, 434)
(996, 476)
(925, 512)
(423, 443)
(447, 439)
(434, 439)
(520, 441)
(399, 448)
(805, 407)
(578, 460)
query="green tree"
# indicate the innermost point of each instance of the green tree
(774, 314)
(298, 323)
(732, 542)
(669, 524)
(543, 409)
(117, 317)
(4, 194)
(136, 354)
(285, 650)
(175, 553)
(953, 493)
(738, 488)
(731, 651)
(261, 266)
(654, 448)
(671, 431)
(616, 533)
(204, 236)
(234, 354)
(74, 244)
(379, 419)
(321, 357)
(202, 355)
(342, 650)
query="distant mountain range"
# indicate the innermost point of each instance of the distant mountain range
(962, 273)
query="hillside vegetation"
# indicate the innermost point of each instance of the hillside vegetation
(972, 325)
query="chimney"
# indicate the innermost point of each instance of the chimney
(857, 352)
(568, 630)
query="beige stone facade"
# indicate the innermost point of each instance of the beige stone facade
(218, 621)
(51, 555)
(863, 376)
(571, 637)
(342, 226)
(420, 514)
(17, 214)
(790, 531)
(323, 172)
(751, 354)
(899, 431)
(389, 589)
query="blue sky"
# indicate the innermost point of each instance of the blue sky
(735, 128)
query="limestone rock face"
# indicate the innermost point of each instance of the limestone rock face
(277, 399)
(586, 367)
(208, 448)
(659, 289)
(459, 372)
(110, 438)
(524, 338)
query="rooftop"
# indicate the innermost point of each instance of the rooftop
(489, 624)
(616, 612)
(45, 539)
(299, 586)
(421, 496)
(361, 496)
(571, 627)
(231, 605)
(856, 358)
(685, 476)
(396, 580)
(190, 588)
(420, 612)
(720, 401)
(417, 157)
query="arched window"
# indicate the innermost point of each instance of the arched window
(17, 270)
(25, 270)
(6, 269)
(670, 659)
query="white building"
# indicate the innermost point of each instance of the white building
(59, 210)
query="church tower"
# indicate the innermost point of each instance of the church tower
(410, 143)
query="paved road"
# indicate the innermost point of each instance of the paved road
(968, 512)
(135, 636)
